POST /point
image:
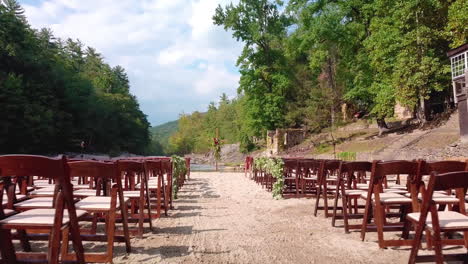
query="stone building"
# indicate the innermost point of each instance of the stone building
(281, 139)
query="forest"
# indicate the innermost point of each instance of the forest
(303, 60)
(56, 94)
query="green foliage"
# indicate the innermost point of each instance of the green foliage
(56, 94)
(274, 167)
(322, 148)
(347, 156)
(195, 132)
(457, 29)
(160, 136)
(263, 66)
(301, 62)
(179, 169)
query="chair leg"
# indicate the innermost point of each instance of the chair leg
(335, 205)
(325, 202)
(110, 228)
(148, 200)
(380, 221)
(24, 240)
(344, 201)
(366, 219)
(317, 200)
(6, 247)
(141, 213)
(123, 211)
(438, 247)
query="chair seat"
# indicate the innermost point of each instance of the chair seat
(131, 194)
(399, 191)
(35, 203)
(447, 220)
(390, 198)
(37, 217)
(19, 198)
(290, 178)
(97, 203)
(362, 186)
(331, 187)
(84, 193)
(8, 212)
(313, 178)
(46, 191)
(396, 186)
(81, 186)
(354, 192)
(439, 198)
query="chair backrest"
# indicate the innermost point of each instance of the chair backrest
(30, 165)
(132, 171)
(153, 167)
(381, 169)
(327, 168)
(103, 174)
(445, 181)
(443, 166)
(94, 169)
(350, 169)
(290, 167)
(13, 167)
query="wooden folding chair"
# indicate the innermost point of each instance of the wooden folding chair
(58, 221)
(441, 221)
(347, 190)
(156, 185)
(108, 200)
(380, 200)
(327, 175)
(291, 177)
(443, 199)
(166, 168)
(308, 170)
(134, 172)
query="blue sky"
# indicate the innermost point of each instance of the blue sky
(176, 59)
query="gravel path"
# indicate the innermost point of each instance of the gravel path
(226, 218)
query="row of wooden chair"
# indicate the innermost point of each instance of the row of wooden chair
(60, 200)
(388, 196)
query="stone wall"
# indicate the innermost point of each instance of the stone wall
(281, 139)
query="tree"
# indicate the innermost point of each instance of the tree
(264, 74)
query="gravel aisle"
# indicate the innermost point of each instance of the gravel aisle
(226, 218)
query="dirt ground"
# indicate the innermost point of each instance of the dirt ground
(227, 218)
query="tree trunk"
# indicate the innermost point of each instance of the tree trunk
(423, 111)
(382, 126)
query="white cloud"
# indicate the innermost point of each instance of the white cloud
(176, 58)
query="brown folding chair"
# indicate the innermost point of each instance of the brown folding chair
(326, 177)
(347, 190)
(443, 199)
(381, 200)
(134, 172)
(308, 170)
(156, 185)
(57, 221)
(291, 177)
(108, 201)
(441, 221)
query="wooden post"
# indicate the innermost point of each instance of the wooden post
(217, 138)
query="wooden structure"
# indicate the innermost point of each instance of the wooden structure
(459, 62)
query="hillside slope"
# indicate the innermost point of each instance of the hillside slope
(434, 142)
(162, 132)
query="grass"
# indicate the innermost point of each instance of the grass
(322, 148)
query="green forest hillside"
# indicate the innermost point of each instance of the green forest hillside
(303, 62)
(161, 134)
(57, 93)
